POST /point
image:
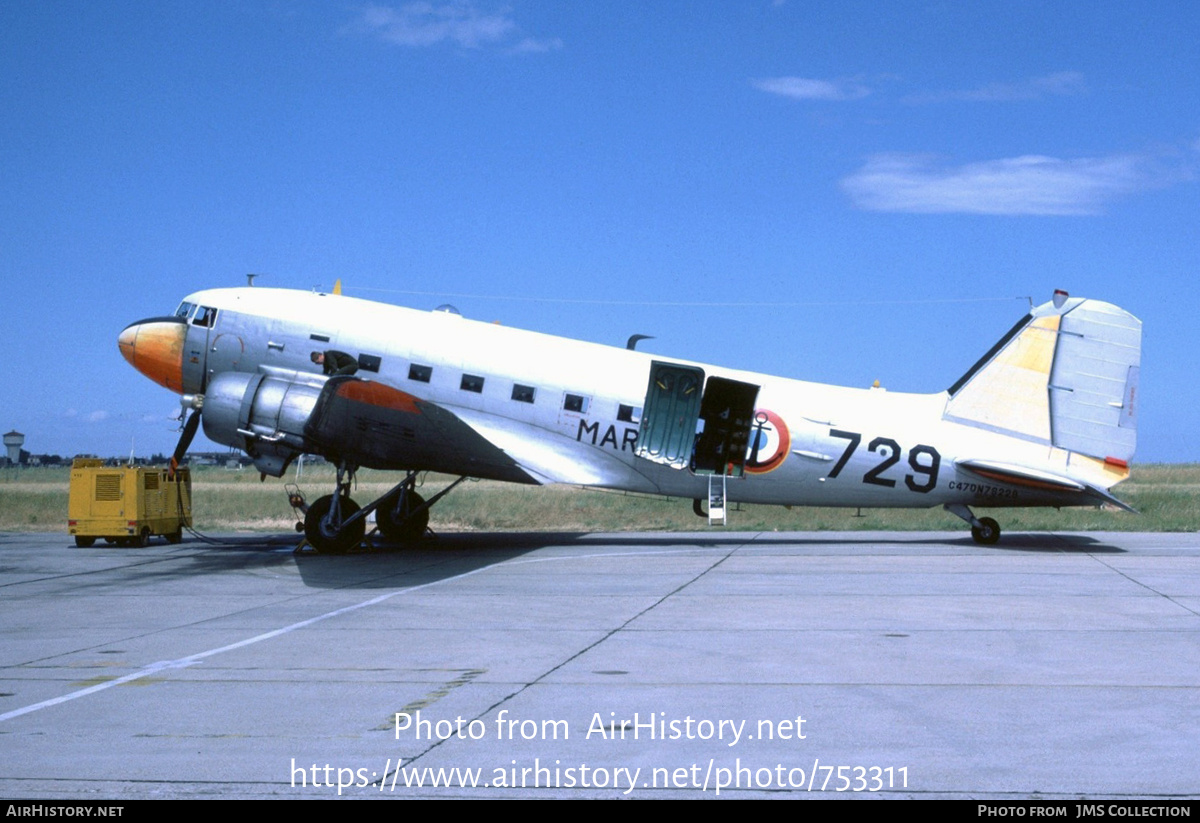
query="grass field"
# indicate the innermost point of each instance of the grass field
(1166, 495)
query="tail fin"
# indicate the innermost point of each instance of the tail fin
(1065, 375)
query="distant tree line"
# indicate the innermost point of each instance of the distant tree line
(157, 459)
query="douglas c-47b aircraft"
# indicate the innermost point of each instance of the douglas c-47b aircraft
(1048, 417)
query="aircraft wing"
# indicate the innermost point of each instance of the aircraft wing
(377, 425)
(553, 458)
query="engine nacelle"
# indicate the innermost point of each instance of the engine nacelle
(263, 415)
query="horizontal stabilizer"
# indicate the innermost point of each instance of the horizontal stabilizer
(1021, 476)
(1041, 480)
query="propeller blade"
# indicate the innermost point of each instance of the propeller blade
(185, 440)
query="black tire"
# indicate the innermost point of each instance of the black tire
(175, 537)
(325, 540)
(402, 529)
(987, 532)
(83, 542)
(141, 539)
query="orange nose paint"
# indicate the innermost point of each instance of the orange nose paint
(155, 348)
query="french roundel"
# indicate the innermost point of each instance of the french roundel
(769, 442)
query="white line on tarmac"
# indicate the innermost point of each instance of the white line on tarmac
(190, 660)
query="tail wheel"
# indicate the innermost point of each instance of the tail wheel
(327, 539)
(402, 527)
(987, 532)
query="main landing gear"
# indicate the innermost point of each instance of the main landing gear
(331, 524)
(984, 530)
(334, 524)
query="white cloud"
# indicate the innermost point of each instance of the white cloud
(1030, 184)
(1058, 84)
(462, 24)
(97, 416)
(803, 88)
(530, 45)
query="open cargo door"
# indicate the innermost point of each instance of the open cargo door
(686, 428)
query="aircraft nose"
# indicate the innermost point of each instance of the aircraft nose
(155, 348)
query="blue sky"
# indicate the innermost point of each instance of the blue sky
(839, 192)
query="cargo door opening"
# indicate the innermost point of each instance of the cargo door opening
(726, 415)
(683, 427)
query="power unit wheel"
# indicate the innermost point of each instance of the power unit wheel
(987, 532)
(402, 529)
(333, 541)
(83, 542)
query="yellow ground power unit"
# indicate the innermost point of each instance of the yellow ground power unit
(127, 505)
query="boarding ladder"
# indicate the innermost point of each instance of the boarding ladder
(716, 500)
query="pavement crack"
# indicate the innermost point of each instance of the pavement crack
(610, 633)
(1145, 586)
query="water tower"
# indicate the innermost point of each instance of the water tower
(13, 441)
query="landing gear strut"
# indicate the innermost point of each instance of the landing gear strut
(330, 524)
(403, 515)
(335, 524)
(984, 530)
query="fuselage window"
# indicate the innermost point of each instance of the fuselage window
(420, 373)
(523, 394)
(629, 414)
(471, 382)
(369, 362)
(576, 403)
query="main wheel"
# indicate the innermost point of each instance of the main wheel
(987, 532)
(328, 540)
(401, 528)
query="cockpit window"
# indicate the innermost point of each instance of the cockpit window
(206, 316)
(185, 309)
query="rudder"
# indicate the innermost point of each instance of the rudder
(1064, 375)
